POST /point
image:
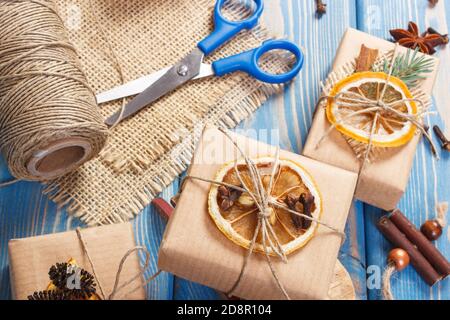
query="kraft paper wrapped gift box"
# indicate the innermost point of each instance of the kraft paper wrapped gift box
(383, 182)
(30, 259)
(193, 247)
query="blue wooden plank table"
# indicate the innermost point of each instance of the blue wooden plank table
(285, 119)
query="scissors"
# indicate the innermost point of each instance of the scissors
(152, 87)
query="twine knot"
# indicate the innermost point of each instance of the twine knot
(382, 105)
(265, 204)
(355, 99)
(120, 288)
(267, 212)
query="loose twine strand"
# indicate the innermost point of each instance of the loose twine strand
(44, 94)
(9, 183)
(354, 99)
(263, 201)
(115, 60)
(117, 289)
(388, 274)
(442, 210)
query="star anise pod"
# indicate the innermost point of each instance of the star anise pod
(292, 201)
(303, 204)
(228, 197)
(412, 39)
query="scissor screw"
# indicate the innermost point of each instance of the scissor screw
(183, 70)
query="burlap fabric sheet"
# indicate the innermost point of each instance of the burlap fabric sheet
(147, 152)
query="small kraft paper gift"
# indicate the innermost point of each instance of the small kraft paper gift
(257, 222)
(370, 117)
(78, 265)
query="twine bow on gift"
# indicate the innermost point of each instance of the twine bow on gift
(262, 199)
(355, 99)
(117, 289)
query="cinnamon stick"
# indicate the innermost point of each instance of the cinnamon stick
(163, 207)
(429, 251)
(366, 59)
(418, 261)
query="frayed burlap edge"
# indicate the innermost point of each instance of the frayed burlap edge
(241, 96)
(172, 164)
(110, 156)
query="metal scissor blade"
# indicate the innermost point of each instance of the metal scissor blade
(131, 88)
(139, 85)
(206, 70)
(185, 70)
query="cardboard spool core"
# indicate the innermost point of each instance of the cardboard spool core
(59, 157)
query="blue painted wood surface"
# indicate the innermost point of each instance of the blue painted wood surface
(429, 178)
(24, 211)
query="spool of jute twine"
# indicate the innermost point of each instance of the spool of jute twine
(49, 121)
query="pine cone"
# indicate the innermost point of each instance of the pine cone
(61, 272)
(49, 295)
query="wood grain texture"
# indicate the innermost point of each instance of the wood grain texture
(285, 120)
(429, 178)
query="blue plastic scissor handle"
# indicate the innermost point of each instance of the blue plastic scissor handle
(248, 62)
(224, 29)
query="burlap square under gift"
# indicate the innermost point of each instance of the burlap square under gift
(383, 179)
(146, 152)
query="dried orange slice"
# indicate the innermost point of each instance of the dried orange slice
(236, 214)
(390, 130)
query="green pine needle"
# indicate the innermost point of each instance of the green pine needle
(410, 67)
